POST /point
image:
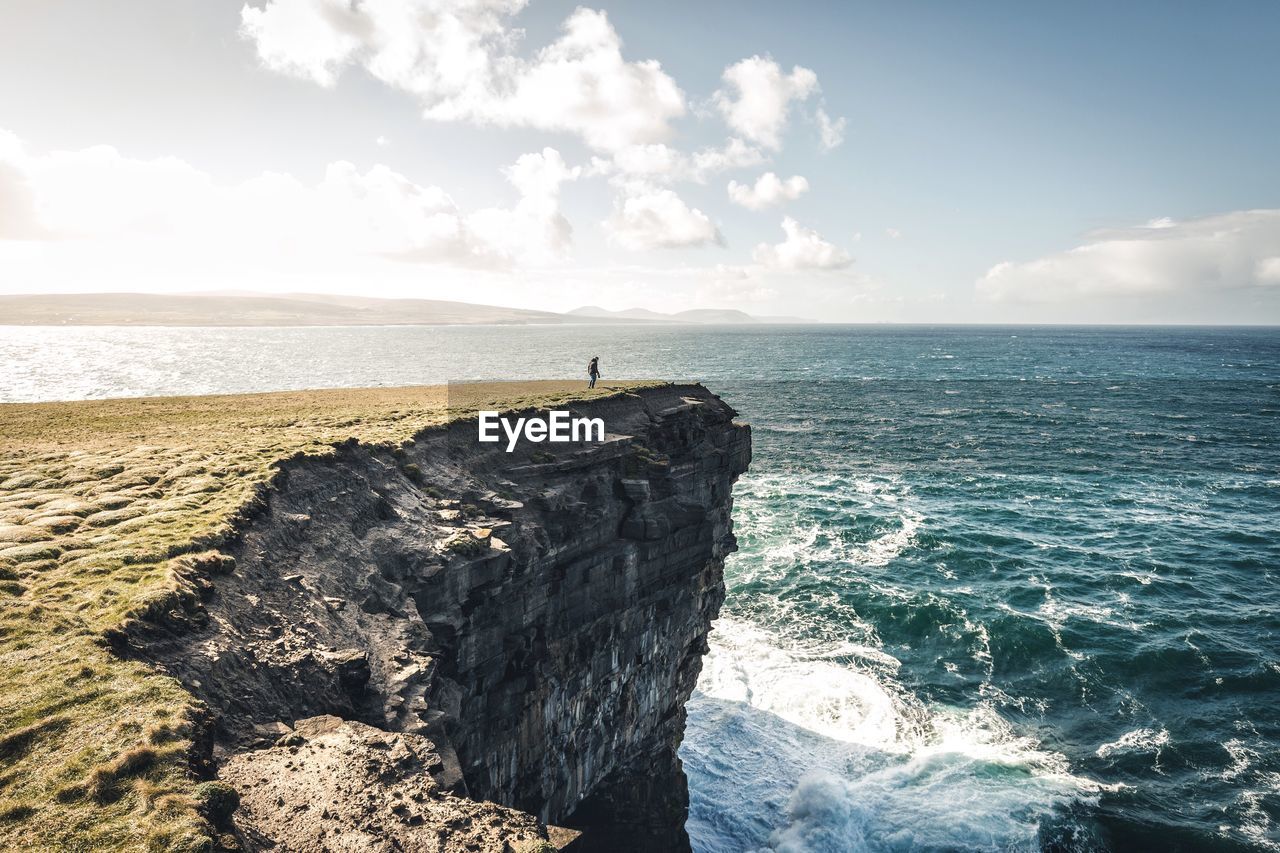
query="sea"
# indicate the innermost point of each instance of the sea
(998, 588)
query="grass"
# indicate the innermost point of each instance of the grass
(108, 509)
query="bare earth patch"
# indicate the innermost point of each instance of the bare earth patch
(340, 785)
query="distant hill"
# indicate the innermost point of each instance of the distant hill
(696, 315)
(714, 315)
(597, 313)
(227, 308)
(239, 309)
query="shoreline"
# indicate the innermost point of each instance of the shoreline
(135, 526)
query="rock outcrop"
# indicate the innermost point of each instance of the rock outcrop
(333, 784)
(471, 626)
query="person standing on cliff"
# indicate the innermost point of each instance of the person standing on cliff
(593, 370)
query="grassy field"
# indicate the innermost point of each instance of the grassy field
(105, 506)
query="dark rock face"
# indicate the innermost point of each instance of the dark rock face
(537, 617)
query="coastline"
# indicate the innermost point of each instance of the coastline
(126, 510)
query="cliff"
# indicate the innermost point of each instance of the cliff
(433, 644)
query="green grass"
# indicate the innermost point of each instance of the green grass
(108, 509)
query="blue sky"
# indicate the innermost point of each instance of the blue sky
(1000, 162)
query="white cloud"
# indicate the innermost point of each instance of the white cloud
(662, 163)
(305, 38)
(649, 217)
(458, 57)
(94, 192)
(731, 286)
(656, 161)
(767, 191)
(166, 207)
(757, 97)
(539, 176)
(830, 131)
(19, 219)
(534, 231)
(803, 249)
(734, 154)
(892, 233)
(1223, 252)
(1269, 270)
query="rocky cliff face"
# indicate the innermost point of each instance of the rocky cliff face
(518, 630)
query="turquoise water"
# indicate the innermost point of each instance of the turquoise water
(998, 588)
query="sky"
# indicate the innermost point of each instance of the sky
(860, 162)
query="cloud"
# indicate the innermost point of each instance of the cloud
(803, 249)
(19, 219)
(431, 48)
(94, 192)
(662, 163)
(756, 100)
(657, 161)
(768, 190)
(830, 131)
(726, 285)
(534, 231)
(169, 207)
(649, 217)
(734, 154)
(1224, 252)
(458, 57)
(1269, 270)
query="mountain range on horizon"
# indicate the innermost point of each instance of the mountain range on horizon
(243, 308)
(693, 315)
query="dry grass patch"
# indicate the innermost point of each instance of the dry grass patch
(107, 510)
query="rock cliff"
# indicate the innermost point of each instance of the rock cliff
(447, 646)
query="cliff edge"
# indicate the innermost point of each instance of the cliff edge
(439, 645)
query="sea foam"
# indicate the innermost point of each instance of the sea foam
(788, 750)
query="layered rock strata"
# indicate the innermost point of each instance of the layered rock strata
(470, 626)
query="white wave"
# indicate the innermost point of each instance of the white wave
(788, 550)
(884, 549)
(819, 696)
(1138, 740)
(1242, 757)
(788, 750)
(885, 499)
(854, 650)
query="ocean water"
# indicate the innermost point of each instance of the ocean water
(998, 588)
